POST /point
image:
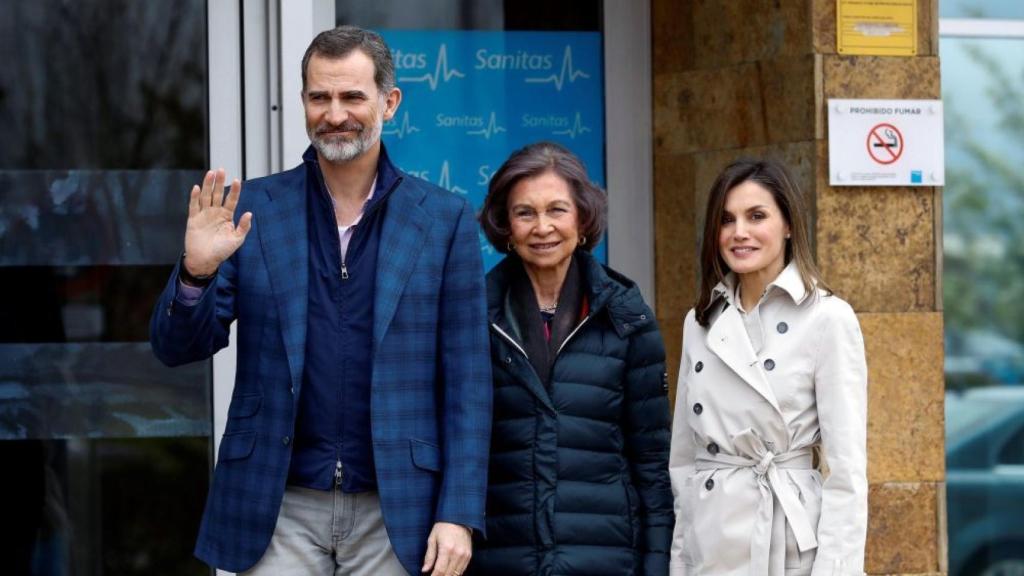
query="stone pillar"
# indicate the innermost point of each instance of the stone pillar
(751, 77)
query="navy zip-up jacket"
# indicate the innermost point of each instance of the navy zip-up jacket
(332, 433)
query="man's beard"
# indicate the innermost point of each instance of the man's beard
(336, 148)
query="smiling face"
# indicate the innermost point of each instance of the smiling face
(752, 239)
(345, 112)
(543, 221)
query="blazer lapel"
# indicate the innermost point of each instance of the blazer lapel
(402, 239)
(285, 243)
(727, 338)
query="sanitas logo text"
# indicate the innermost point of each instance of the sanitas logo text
(521, 60)
(409, 60)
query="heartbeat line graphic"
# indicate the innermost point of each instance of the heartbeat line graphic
(575, 130)
(402, 128)
(485, 245)
(441, 71)
(445, 180)
(567, 72)
(491, 129)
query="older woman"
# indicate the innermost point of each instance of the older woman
(579, 458)
(772, 371)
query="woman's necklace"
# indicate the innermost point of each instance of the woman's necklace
(549, 309)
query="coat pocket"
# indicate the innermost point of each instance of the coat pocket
(236, 445)
(244, 405)
(425, 455)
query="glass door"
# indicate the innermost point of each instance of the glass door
(981, 49)
(106, 453)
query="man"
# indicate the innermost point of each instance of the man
(359, 424)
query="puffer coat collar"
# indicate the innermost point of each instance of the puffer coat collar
(606, 291)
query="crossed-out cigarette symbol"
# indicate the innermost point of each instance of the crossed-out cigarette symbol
(885, 143)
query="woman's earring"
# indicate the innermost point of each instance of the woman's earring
(509, 247)
(583, 240)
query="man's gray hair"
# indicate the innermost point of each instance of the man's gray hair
(341, 41)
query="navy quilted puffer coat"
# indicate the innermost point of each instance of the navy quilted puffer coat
(579, 480)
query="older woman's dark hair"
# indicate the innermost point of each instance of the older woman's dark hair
(532, 161)
(773, 175)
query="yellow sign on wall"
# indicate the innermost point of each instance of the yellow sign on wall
(876, 27)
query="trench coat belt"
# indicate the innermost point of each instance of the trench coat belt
(752, 453)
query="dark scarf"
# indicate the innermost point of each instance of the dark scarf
(530, 324)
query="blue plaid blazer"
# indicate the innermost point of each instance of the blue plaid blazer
(431, 381)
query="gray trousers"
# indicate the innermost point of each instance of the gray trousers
(322, 533)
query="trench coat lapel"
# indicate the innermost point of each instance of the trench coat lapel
(727, 338)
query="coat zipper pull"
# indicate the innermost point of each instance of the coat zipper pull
(337, 474)
(344, 271)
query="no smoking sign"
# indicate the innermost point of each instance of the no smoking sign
(885, 143)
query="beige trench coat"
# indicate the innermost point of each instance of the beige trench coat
(747, 499)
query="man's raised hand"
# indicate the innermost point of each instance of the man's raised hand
(211, 235)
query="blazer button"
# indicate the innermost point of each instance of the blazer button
(782, 327)
(713, 449)
(709, 484)
(769, 364)
(286, 440)
(697, 409)
(699, 366)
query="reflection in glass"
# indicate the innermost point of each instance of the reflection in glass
(98, 390)
(82, 217)
(103, 85)
(530, 15)
(983, 279)
(105, 452)
(110, 506)
(983, 91)
(981, 9)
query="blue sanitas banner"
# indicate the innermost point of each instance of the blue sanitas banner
(470, 98)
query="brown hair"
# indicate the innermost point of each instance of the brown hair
(534, 160)
(773, 175)
(341, 41)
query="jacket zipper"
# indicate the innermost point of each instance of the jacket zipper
(518, 347)
(510, 340)
(337, 473)
(344, 267)
(571, 334)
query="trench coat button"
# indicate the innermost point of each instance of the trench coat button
(643, 316)
(769, 364)
(699, 366)
(508, 359)
(782, 327)
(697, 408)
(713, 448)
(710, 484)
(286, 440)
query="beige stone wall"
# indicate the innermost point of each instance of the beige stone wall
(751, 77)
